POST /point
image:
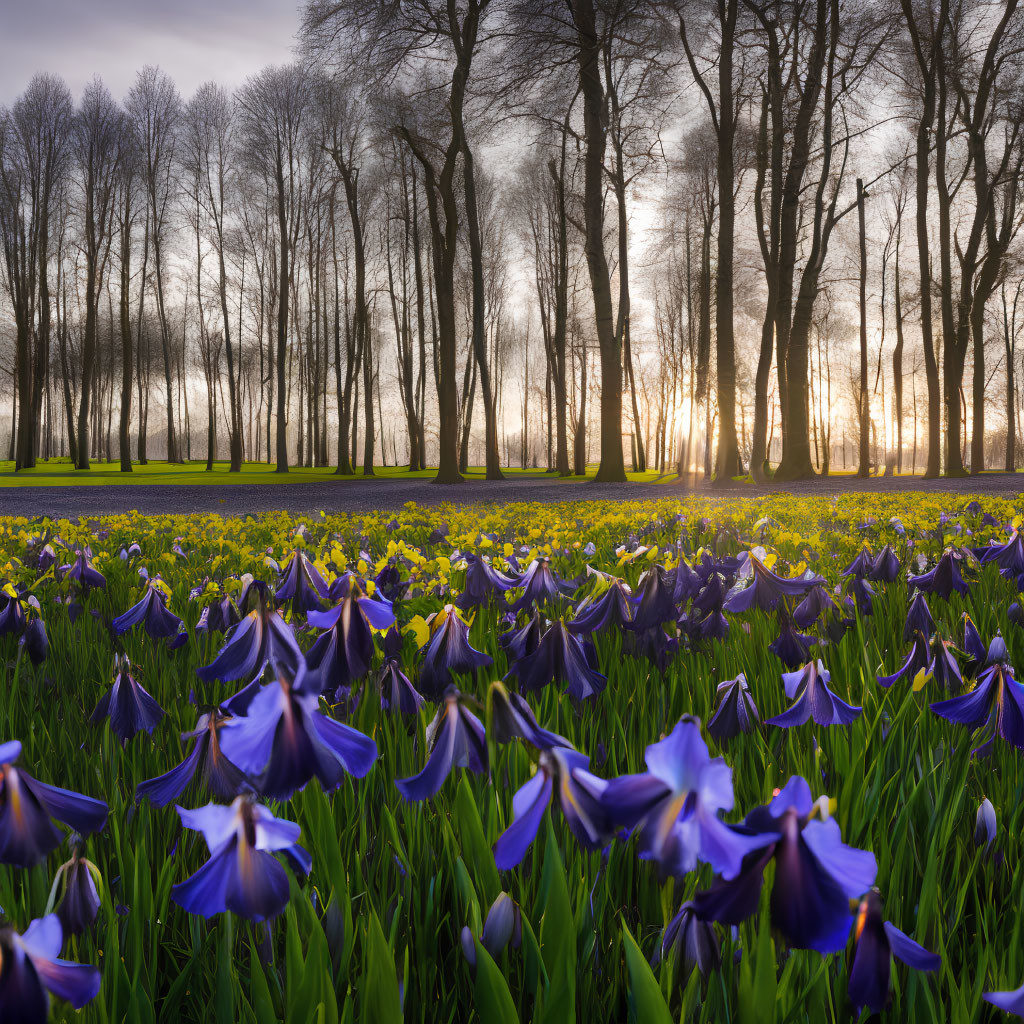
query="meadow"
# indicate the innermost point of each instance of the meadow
(61, 472)
(625, 881)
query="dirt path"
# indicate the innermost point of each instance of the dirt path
(359, 496)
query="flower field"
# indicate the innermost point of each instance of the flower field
(650, 761)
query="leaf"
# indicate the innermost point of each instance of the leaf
(557, 939)
(758, 980)
(475, 848)
(379, 1000)
(493, 999)
(646, 1003)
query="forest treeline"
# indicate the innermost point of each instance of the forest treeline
(716, 236)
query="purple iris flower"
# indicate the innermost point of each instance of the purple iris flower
(483, 583)
(456, 739)
(711, 596)
(686, 582)
(613, 609)
(80, 899)
(254, 594)
(32, 969)
(12, 617)
(793, 649)
(46, 557)
(728, 567)
(1009, 556)
(26, 806)
(863, 593)
(808, 689)
(562, 774)
(560, 657)
(767, 589)
(691, 943)
(512, 718)
(861, 565)
(129, 706)
(518, 643)
(37, 644)
(82, 572)
(341, 585)
(654, 602)
(944, 668)
(343, 652)
(154, 615)
(875, 942)
(919, 618)
(447, 652)
(261, 638)
(886, 566)
(736, 711)
(301, 585)
(673, 807)
(816, 873)
(396, 690)
(944, 578)
(918, 661)
(218, 616)
(985, 824)
(541, 586)
(219, 776)
(284, 740)
(504, 924)
(977, 653)
(388, 583)
(997, 698)
(242, 874)
(712, 626)
(813, 606)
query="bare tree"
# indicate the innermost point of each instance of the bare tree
(209, 154)
(435, 43)
(273, 107)
(154, 106)
(34, 162)
(98, 145)
(723, 99)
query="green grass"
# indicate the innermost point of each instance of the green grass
(378, 921)
(60, 473)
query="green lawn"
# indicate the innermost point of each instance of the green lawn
(60, 473)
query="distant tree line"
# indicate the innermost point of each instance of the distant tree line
(698, 236)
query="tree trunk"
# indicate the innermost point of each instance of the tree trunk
(612, 467)
(491, 458)
(864, 412)
(124, 437)
(897, 362)
(282, 319)
(1010, 463)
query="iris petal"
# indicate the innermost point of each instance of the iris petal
(165, 788)
(82, 813)
(910, 952)
(512, 844)
(853, 869)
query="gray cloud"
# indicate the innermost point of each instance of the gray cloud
(192, 40)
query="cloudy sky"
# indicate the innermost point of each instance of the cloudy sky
(192, 40)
